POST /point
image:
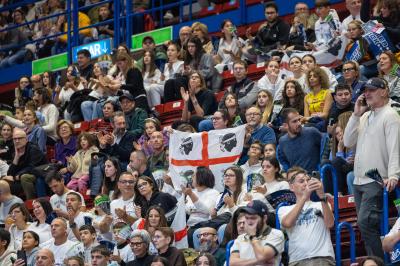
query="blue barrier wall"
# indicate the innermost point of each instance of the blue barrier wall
(252, 14)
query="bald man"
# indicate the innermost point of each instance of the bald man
(6, 200)
(44, 257)
(26, 156)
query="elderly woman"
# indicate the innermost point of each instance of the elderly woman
(140, 242)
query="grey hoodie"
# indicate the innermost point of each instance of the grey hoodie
(5, 259)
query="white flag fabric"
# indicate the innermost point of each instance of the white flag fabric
(179, 225)
(215, 149)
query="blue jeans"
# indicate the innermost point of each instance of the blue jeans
(17, 58)
(350, 180)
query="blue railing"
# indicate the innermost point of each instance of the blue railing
(352, 242)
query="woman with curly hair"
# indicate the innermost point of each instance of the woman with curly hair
(319, 101)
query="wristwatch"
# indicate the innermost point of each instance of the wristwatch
(72, 225)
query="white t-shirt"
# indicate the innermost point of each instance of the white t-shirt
(43, 230)
(247, 170)
(276, 186)
(61, 252)
(60, 202)
(274, 239)
(276, 89)
(16, 236)
(120, 203)
(176, 68)
(310, 237)
(200, 210)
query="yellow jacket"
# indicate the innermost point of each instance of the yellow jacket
(83, 21)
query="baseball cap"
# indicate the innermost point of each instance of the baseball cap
(148, 38)
(256, 207)
(375, 83)
(126, 95)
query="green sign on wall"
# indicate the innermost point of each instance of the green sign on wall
(52, 63)
(159, 36)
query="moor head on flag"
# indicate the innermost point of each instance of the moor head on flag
(227, 142)
(186, 146)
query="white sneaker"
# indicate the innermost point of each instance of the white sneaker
(168, 15)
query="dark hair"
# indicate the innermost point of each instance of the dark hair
(45, 95)
(85, 52)
(224, 113)
(45, 203)
(155, 121)
(198, 53)
(239, 180)
(163, 260)
(240, 62)
(231, 231)
(342, 87)
(90, 228)
(285, 113)
(78, 259)
(127, 50)
(204, 177)
(107, 181)
(321, 3)
(163, 219)
(56, 176)
(298, 98)
(139, 199)
(34, 235)
(89, 137)
(103, 250)
(210, 258)
(153, 66)
(271, 4)
(5, 235)
(52, 81)
(393, 7)
(375, 259)
(275, 163)
(23, 209)
(311, 56)
(167, 232)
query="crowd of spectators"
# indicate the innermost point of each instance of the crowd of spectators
(295, 121)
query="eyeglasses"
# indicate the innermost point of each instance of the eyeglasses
(205, 234)
(139, 186)
(136, 244)
(253, 114)
(127, 182)
(348, 69)
(229, 175)
(19, 139)
(216, 118)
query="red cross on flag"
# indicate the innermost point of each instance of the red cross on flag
(215, 149)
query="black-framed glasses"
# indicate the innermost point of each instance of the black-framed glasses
(206, 234)
(348, 69)
(136, 244)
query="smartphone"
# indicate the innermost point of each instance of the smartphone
(22, 255)
(331, 121)
(364, 102)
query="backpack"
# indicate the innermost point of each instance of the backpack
(96, 172)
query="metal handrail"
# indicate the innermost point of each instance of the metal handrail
(277, 222)
(352, 243)
(329, 167)
(228, 252)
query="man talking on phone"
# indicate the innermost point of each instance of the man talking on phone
(374, 128)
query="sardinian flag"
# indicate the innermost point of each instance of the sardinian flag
(179, 225)
(215, 149)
